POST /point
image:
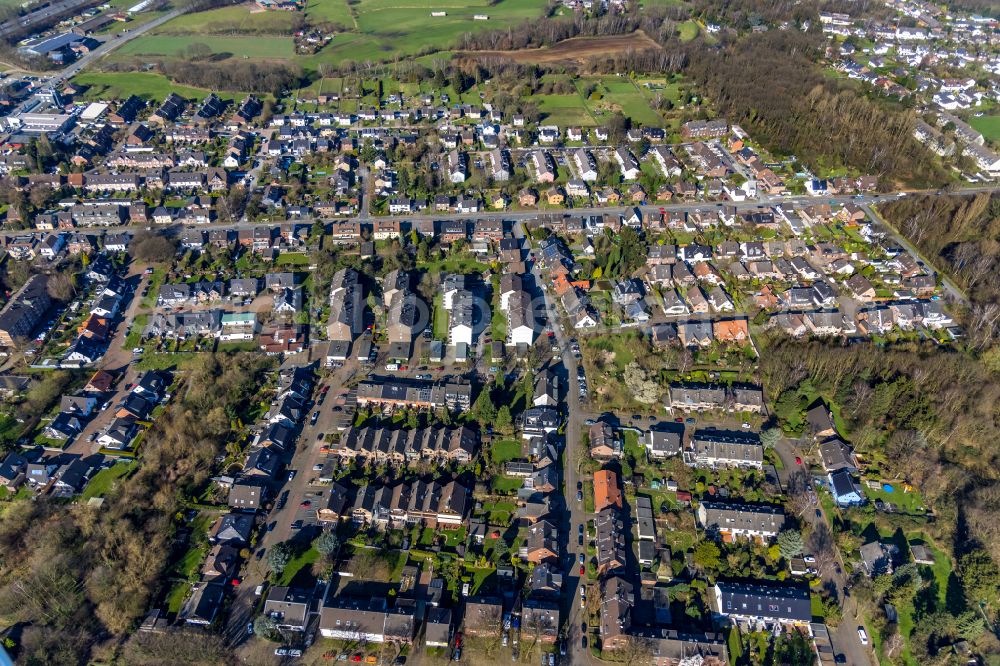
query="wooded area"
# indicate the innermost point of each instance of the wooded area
(770, 84)
(961, 237)
(926, 414)
(78, 577)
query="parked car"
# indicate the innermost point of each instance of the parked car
(863, 635)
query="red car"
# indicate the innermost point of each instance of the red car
(325, 389)
(306, 504)
(356, 657)
(458, 639)
(798, 461)
(581, 570)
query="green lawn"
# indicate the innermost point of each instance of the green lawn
(101, 482)
(479, 576)
(498, 325)
(191, 561)
(455, 265)
(688, 30)
(155, 282)
(103, 85)
(563, 109)
(505, 485)
(910, 502)
(440, 319)
(292, 259)
(134, 337)
(499, 513)
(616, 93)
(302, 561)
(504, 450)
(176, 596)
(631, 440)
(988, 126)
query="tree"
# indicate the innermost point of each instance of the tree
(61, 286)
(643, 389)
(278, 557)
(832, 610)
(794, 649)
(368, 152)
(327, 544)
(151, 247)
(706, 556)
(970, 625)
(979, 574)
(486, 412)
(265, 627)
(790, 543)
(770, 437)
(504, 422)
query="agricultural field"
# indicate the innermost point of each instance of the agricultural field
(233, 20)
(377, 29)
(267, 48)
(329, 11)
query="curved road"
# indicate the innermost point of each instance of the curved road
(113, 42)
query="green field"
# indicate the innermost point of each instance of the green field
(564, 110)
(618, 93)
(988, 126)
(144, 84)
(688, 30)
(378, 29)
(332, 11)
(231, 20)
(268, 48)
